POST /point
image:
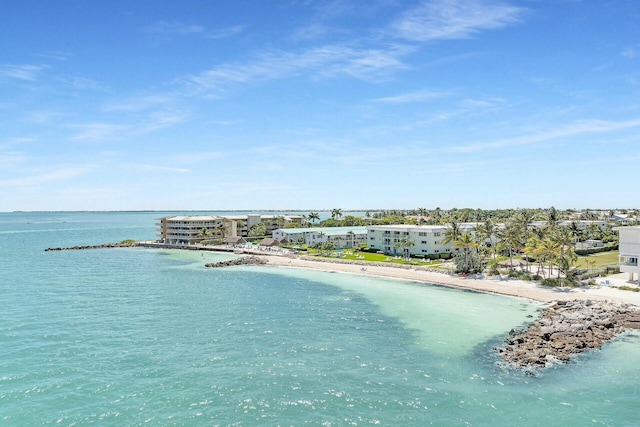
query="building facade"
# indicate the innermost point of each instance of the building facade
(188, 229)
(629, 247)
(341, 237)
(427, 239)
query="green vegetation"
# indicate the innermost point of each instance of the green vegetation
(599, 259)
(370, 257)
(127, 242)
(533, 251)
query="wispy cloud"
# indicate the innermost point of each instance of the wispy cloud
(419, 96)
(57, 55)
(140, 103)
(160, 120)
(43, 178)
(155, 168)
(175, 28)
(629, 53)
(224, 32)
(454, 19)
(180, 29)
(325, 61)
(573, 129)
(22, 72)
(97, 131)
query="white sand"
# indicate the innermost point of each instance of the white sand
(494, 285)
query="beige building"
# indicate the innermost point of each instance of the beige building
(188, 229)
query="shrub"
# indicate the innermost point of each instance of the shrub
(589, 251)
(566, 283)
(445, 255)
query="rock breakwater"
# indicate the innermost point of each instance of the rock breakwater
(566, 329)
(102, 246)
(248, 260)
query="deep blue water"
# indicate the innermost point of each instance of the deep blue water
(150, 337)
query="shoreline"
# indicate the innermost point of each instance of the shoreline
(492, 285)
(496, 285)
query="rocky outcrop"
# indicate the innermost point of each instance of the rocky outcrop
(248, 260)
(102, 246)
(566, 329)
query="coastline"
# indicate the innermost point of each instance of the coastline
(493, 285)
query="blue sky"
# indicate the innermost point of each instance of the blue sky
(302, 104)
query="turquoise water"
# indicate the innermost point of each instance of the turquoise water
(149, 337)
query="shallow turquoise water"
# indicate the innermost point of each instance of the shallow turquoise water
(147, 337)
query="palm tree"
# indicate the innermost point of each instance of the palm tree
(532, 249)
(563, 238)
(466, 242)
(204, 233)
(524, 219)
(452, 233)
(575, 230)
(405, 244)
(336, 213)
(549, 251)
(511, 238)
(313, 216)
(486, 231)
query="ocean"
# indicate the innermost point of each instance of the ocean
(146, 337)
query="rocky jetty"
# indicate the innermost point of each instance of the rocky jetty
(248, 260)
(102, 246)
(566, 329)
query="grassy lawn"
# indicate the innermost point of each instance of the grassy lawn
(370, 257)
(602, 258)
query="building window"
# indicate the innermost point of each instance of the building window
(436, 234)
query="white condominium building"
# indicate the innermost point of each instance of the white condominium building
(427, 239)
(341, 237)
(629, 238)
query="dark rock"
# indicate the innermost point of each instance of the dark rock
(249, 260)
(565, 329)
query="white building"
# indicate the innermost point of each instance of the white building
(629, 239)
(427, 239)
(341, 237)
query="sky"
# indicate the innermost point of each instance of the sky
(304, 104)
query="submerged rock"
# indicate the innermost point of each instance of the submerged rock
(566, 329)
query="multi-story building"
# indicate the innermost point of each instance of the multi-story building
(341, 237)
(629, 247)
(188, 229)
(427, 239)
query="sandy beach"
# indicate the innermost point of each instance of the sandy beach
(494, 285)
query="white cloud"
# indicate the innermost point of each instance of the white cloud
(175, 28)
(97, 131)
(225, 32)
(56, 175)
(419, 96)
(629, 53)
(155, 168)
(454, 19)
(574, 129)
(324, 61)
(22, 72)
